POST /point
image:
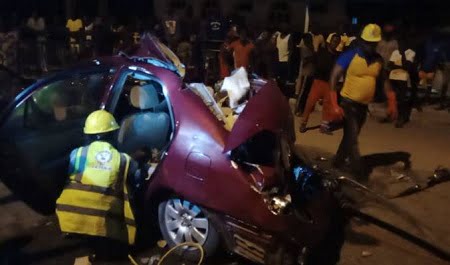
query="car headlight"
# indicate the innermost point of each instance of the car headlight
(279, 204)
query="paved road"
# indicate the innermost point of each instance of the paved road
(427, 138)
(34, 239)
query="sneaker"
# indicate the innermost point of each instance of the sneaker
(385, 120)
(399, 124)
(303, 128)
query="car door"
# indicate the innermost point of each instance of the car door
(42, 129)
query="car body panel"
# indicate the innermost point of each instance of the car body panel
(267, 110)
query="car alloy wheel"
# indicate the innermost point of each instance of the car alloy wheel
(185, 222)
(181, 221)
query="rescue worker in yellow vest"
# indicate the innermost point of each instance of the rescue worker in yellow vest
(96, 200)
(363, 66)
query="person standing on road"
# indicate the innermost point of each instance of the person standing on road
(324, 61)
(388, 43)
(363, 65)
(75, 26)
(97, 199)
(305, 76)
(401, 64)
(37, 26)
(264, 56)
(241, 50)
(284, 45)
(171, 28)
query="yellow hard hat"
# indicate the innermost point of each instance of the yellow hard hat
(100, 121)
(371, 33)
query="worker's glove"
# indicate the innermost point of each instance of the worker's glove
(337, 111)
(392, 111)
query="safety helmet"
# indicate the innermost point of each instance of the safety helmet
(371, 33)
(100, 121)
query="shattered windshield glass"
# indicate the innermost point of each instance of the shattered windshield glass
(152, 51)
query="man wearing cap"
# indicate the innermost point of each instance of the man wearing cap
(363, 66)
(96, 201)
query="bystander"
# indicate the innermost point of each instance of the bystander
(324, 61)
(36, 24)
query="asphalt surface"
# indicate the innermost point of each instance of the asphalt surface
(28, 238)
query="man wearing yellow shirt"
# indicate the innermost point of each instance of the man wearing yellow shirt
(363, 66)
(74, 24)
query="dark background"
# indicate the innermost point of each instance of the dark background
(415, 12)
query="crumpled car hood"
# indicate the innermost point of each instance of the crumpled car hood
(267, 110)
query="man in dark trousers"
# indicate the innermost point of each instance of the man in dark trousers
(362, 65)
(324, 61)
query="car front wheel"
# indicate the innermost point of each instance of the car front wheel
(181, 221)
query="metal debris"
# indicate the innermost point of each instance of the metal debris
(145, 260)
(366, 253)
(82, 261)
(321, 158)
(161, 243)
(154, 260)
(440, 175)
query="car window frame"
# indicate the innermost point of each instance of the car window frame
(28, 92)
(119, 83)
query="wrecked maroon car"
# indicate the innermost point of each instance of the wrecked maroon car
(239, 186)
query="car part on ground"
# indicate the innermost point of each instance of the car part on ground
(440, 175)
(353, 210)
(420, 242)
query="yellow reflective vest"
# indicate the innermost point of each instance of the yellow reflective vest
(95, 201)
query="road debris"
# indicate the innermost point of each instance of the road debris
(161, 243)
(366, 254)
(145, 260)
(82, 261)
(440, 175)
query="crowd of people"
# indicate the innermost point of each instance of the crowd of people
(213, 46)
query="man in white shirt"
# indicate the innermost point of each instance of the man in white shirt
(401, 63)
(75, 27)
(283, 42)
(388, 44)
(36, 23)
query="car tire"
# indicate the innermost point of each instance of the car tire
(181, 221)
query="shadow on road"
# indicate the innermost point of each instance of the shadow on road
(10, 249)
(49, 254)
(385, 159)
(360, 238)
(8, 199)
